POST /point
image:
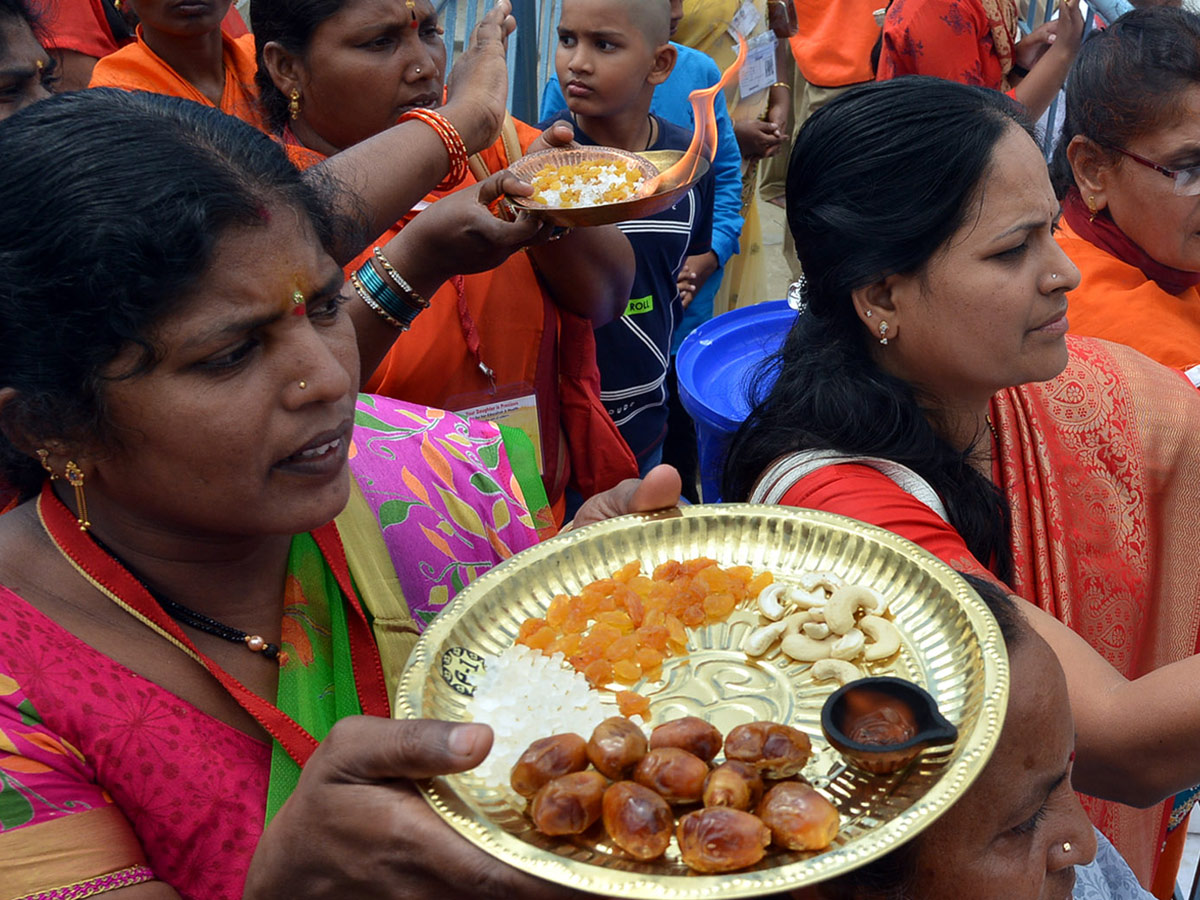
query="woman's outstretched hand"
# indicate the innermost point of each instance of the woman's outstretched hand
(356, 825)
(477, 89)
(558, 136)
(658, 490)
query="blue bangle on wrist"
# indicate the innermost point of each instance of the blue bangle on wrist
(378, 294)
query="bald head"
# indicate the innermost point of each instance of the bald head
(650, 17)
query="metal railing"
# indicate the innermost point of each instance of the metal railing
(1042, 11)
(530, 50)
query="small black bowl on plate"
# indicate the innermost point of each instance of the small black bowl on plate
(882, 724)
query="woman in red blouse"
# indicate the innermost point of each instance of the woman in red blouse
(978, 42)
(929, 387)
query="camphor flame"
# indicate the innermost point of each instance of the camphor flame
(704, 137)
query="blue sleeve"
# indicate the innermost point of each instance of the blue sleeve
(727, 196)
(702, 234)
(552, 98)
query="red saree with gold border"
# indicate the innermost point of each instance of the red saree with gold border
(1101, 467)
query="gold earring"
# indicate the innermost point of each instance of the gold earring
(1091, 205)
(74, 476)
(117, 5)
(43, 457)
(294, 104)
(883, 327)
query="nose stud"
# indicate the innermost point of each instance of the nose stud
(417, 70)
(1054, 276)
(1066, 846)
(303, 385)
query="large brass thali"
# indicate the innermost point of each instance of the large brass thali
(951, 646)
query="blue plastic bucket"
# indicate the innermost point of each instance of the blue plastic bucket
(714, 365)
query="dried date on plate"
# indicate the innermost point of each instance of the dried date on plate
(547, 759)
(569, 804)
(637, 820)
(689, 733)
(799, 817)
(734, 784)
(616, 746)
(719, 839)
(777, 751)
(675, 774)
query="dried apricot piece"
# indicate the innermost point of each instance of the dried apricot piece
(556, 614)
(618, 619)
(542, 638)
(566, 644)
(668, 570)
(599, 672)
(631, 703)
(719, 606)
(528, 627)
(623, 647)
(648, 658)
(626, 671)
(627, 571)
(758, 582)
(654, 636)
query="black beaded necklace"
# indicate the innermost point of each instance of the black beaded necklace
(184, 616)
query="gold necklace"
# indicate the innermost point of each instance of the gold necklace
(992, 426)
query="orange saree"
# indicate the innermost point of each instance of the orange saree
(138, 68)
(1101, 470)
(1116, 301)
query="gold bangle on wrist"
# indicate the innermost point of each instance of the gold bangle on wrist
(782, 84)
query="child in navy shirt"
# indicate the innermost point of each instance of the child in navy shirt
(611, 54)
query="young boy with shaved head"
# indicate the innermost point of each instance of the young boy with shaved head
(611, 55)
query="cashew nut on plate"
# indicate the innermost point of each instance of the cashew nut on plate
(770, 601)
(845, 602)
(849, 645)
(883, 638)
(761, 640)
(848, 626)
(835, 670)
(802, 648)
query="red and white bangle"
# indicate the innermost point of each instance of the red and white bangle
(101, 884)
(450, 138)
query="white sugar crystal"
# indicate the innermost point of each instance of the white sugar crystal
(524, 696)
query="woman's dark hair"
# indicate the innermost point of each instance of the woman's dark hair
(94, 254)
(18, 9)
(289, 23)
(892, 877)
(879, 181)
(1128, 80)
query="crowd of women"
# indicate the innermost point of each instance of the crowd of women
(219, 552)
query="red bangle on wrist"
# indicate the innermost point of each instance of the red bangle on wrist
(450, 138)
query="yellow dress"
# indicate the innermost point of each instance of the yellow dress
(704, 28)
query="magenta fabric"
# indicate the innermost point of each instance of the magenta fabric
(193, 787)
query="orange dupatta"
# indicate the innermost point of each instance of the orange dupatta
(1101, 469)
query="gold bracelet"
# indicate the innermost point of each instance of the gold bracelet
(401, 282)
(782, 84)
